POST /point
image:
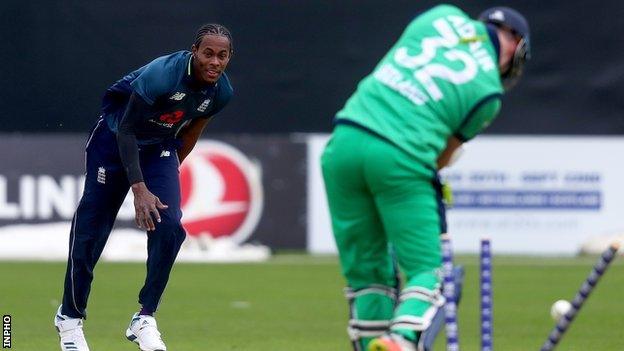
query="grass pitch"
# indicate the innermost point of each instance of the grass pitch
(295, 303)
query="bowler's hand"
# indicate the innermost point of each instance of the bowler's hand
(146, 204)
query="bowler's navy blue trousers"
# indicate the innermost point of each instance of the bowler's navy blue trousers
(105, 188)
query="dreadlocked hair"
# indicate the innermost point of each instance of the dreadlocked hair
(213, 29)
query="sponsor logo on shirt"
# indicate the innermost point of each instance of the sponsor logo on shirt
(162, 124)
(204, 106)
(172, 117)
(169, 119)
(177, 96)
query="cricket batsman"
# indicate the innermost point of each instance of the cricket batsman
(439, 86)
(151, 120)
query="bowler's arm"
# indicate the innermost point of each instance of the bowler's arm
(189, 136)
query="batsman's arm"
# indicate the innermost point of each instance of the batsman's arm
(450, 153)
(189, 136)
(477, 120)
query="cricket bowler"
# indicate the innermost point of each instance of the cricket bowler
(439, 86)
(151, 120)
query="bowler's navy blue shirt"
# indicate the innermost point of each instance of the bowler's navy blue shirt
(166, 84)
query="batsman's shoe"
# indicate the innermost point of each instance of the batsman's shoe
(144, 331)
(391, 342)
(70, 332)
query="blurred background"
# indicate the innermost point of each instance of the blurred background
(295, 64)
(296, 61)
(545, 178)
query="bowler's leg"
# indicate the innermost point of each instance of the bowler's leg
(106, 187)
(162, 179)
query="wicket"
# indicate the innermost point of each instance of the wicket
(486, 300)
(582, 294)
(450, 307)
(448, 289)
(486, 295)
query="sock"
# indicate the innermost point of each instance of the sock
(145, 311)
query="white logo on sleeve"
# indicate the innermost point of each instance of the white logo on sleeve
(177, 96)
(165, 153)
(101, 176)
(204, 106)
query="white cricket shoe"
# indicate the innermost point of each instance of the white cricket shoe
(144, 331)
(70, 332)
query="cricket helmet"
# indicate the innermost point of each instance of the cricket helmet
(511, 19)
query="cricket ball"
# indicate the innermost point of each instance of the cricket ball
(559, 309)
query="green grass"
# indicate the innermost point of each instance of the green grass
(295, 303)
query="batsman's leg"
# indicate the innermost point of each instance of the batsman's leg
(364, 254)
(413, 218)
(428, 337)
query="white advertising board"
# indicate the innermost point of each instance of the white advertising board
(221, 195)
(530, 195)
(320, 238)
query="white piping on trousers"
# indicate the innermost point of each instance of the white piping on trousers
(71, 259)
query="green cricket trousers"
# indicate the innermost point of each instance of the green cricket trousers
(386, 209)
